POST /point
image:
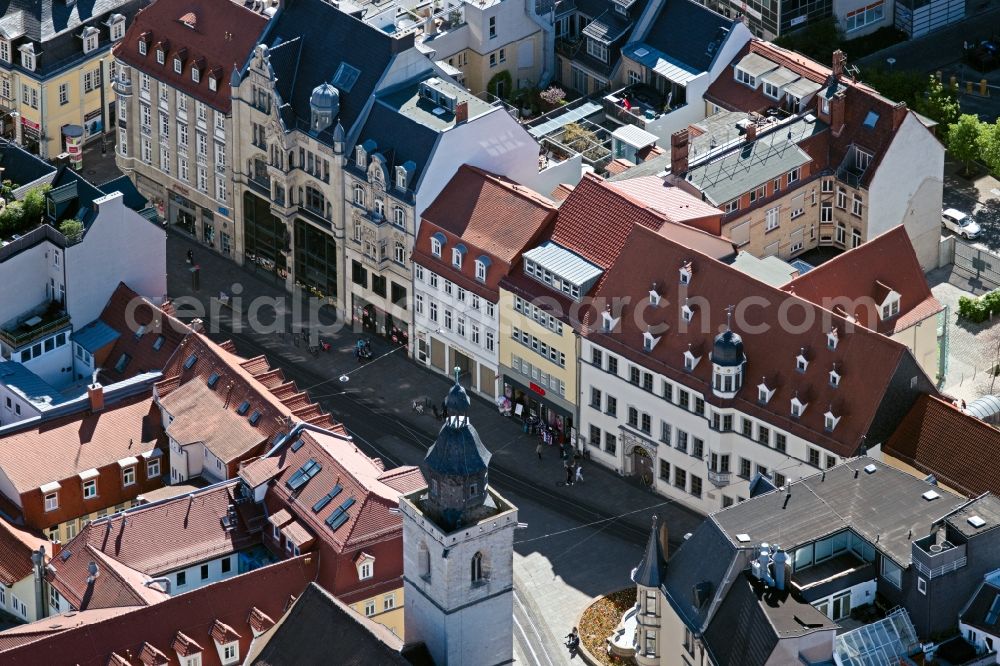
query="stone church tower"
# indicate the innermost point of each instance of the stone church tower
(458, 550)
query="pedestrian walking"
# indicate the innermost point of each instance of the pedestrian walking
(579, 473)
(569, 473)
(573, 642)
(538, 450)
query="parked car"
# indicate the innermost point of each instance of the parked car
(960, 223)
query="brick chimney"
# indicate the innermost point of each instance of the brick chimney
(839, 60)
(751, 132)
(898, 115)
(837, 105)
(461, 113)
(679, 152)
(95, 392)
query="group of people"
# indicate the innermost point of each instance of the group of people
(574, 470)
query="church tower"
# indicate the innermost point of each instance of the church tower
(458, 550)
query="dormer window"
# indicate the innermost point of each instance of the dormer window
(685, 273)
(28, 56)
(4, 49)
(687, 314)
(359, 156)
(457, 254)
(116, 25)
(213, 83)
(830, 421)
(608, 322)
(178, 66)
(764, 393)
(366, 566)
(834, 377)
(649, 341)
(801, 362)
(745, 77)
(481, 265)
(90, 38)
(832, 338)
(401, 178)
(195, 74)
(890, 307)
(654, 296)
(690, 360)
(142, 47)
(437, 243)
(798, 407)
(161, 56)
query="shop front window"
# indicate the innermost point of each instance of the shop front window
(315, 260)
(264, 236)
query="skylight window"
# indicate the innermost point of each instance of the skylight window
(191, 360)
(297, 444)
(243, 408)
(346, 77)
(254, 418)
(213, 380)
(158, 343)
(301, 477)
(326, 499)
(871, 119)
(340, 515)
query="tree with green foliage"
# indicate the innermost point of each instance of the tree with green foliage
(963, 139)
(989, 146)
(34, 204)
(71, 229)
(899, 85)
(939, 104)
(11, 219)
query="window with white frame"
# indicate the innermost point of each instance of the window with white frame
(857, 205)
(369, 608)
(435, 247)
(90, 489)
(771, 218)
(153, 468)
(399, 216)
(359, 195)
(52, 501)
(366, 568)
(117, 27)
(480, 270)
(90, 39)
(456, 257)
(745, 77)
(128, 476)
(5, 50)
(597, 49)
(230, 653)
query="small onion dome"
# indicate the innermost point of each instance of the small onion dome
(728, 349)
(324, 96)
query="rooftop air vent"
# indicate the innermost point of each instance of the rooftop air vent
(930, 495)
(743, 538)
(976, 521)
(870, 469)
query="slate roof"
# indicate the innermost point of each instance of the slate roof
(319, 613)
(80, 441)
(131, 196)
(937, 438)
(29, 386)
(607, 27)
(19, 165)
(689, 32)
(653, 565)
(317, 38)
(866, 361)
(702, 560)
(213, 35)
(750, 622)
(95, 336)
(864, 272)
(978, 613)
(16, 547)
(399, 139)
(96, 639)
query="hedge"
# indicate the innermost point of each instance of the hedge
(978, 310)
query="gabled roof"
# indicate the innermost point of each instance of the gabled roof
(653, 565)
(309, 40)
(958, 449)
(80, 441)
(116, 585)
(675, 203)
(491, 212)
(147, 352)
(16, 547)
(156, 538)
(318, 613)
(272, 402)
(219, 39)
(864, 275)
(866, 361)
(369, 518)
(34, 631)
(195, 613)
(689, 32)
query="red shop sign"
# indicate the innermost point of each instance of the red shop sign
(536, 388)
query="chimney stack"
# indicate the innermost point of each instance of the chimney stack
(679, 152)
(751, 132)
(839, 59)
(96, 394)
(461, 112)
(197, 325)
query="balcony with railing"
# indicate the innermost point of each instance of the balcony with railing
(935, 556)
(38, 322)
(639, 104)
(569, 47)
(720, 479)
(853, 167)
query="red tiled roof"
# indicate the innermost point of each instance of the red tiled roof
(124, 308)
(151, 630)
(16, 547)
(175, 533)
(260, 471)
(252, 380)
(223, 633)
(78, 442)
(222, 36)
(960, 450)
(184, 645)
(866, 361)
(259, 621)
(865, 275)
(22, 634)
(370, 518)
(116, 585)
(150, 656)
(675, 203)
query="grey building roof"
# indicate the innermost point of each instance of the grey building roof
(755, 64)
(745, 166)
(95, 335)
(399, 139)
(883, 506)
(802, 88)
(653, 565)
(29, 386)
(661, 63)
(751, 620)
(780, 76)
(310, 41)
(407, 101)
(130, 194)
(316, 613)
(760, 484)
(688, 32)
(986, 508)
(703, 560)
(564, 263)
(20, 166)
(771, 270)
(607, 27)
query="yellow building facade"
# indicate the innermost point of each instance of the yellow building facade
(385, 608)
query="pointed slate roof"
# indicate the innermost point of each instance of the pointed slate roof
(653, 567)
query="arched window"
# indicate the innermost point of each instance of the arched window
(359, 195)
(315, 200)
(424, 561)
(399, 253)
(477, 568)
